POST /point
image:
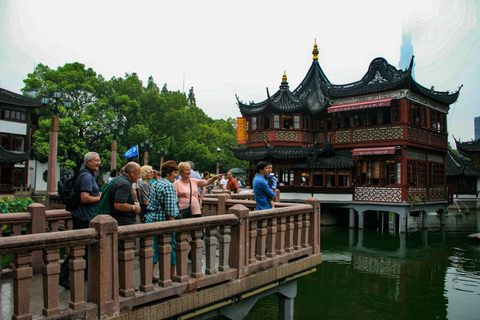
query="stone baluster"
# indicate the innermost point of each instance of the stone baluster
(22, 276)
(16, 229)
(306, 227)
(126, 256)
(181, 248)
(54, 225)
(224, 240)
(50, 271)
(272, 237)
(281, 227)
(146, 264)
(297, 232)
(289, 232)
(253, 242)
(197, 250)
(77, 266)
(69, 224)
(261, 240)
(164, 259)
(211, 248)
(314, 234)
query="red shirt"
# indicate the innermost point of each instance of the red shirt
(232, 185)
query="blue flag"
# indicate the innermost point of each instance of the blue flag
(132, 152)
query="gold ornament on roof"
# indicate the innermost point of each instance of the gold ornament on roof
(315, 51)
(284, 78)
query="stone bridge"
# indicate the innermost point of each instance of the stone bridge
(237, 255)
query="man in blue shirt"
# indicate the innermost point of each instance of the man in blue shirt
(87, 186)
(261, 190)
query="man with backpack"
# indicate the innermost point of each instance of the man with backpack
(86, 186)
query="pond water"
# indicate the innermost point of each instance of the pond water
(375, 274)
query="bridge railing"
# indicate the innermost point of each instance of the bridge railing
(35, 220)
(224, 247)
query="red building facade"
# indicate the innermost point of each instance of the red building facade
(381, 139)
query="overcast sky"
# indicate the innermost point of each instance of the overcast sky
(223, 48)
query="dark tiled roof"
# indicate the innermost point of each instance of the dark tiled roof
(315, 92)
(282, 101)
(466, 148)
(7, 156)
(457, 166)
(382, 76)
(313, 89)
(14, 99)
(281, 152)
(331, 162)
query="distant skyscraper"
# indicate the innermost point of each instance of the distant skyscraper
(406, 52)
(477, 128)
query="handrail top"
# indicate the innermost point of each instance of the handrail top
(171, 226)
(280, 212)
(38, 241)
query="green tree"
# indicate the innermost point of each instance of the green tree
(82, 126)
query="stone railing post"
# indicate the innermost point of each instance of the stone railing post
(22, 278)
(240, 244)
(37, 225)
(103, 267)
(277, 196)
(314, 228)
(222, 206)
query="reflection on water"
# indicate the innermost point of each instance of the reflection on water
(367, 274)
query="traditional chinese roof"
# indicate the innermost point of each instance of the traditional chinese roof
(467, 148)
(281, 152)
(314, 156)
(330, 162)
(7, 156)
(14, 99)
(315, 92)
(282, 101)
(457, 166)
(382, 77)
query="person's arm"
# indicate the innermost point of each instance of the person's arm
(171, 203)
(85, 184)
(267, 190)
(120, 200)
(86, 198)
(134, 193)
(203, 183)
(127, 207)
(274, 182)
(202, 195)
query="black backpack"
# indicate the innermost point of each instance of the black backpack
(68, 192)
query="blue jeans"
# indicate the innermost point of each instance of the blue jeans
(173, 257)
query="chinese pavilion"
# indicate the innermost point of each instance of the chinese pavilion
(18, 122)
(377, 144)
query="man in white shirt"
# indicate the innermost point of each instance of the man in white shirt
(224, 182)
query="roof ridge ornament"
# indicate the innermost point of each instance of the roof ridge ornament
(315, 51)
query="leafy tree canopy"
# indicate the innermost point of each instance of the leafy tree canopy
(124, 110)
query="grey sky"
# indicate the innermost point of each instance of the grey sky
(223, 48)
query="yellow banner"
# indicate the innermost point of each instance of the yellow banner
(242, 130)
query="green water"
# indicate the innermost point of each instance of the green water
(374, 274)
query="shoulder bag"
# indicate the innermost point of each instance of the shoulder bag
(187, 212)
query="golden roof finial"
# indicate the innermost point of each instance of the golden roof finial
(284, 78)
(315, 51)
